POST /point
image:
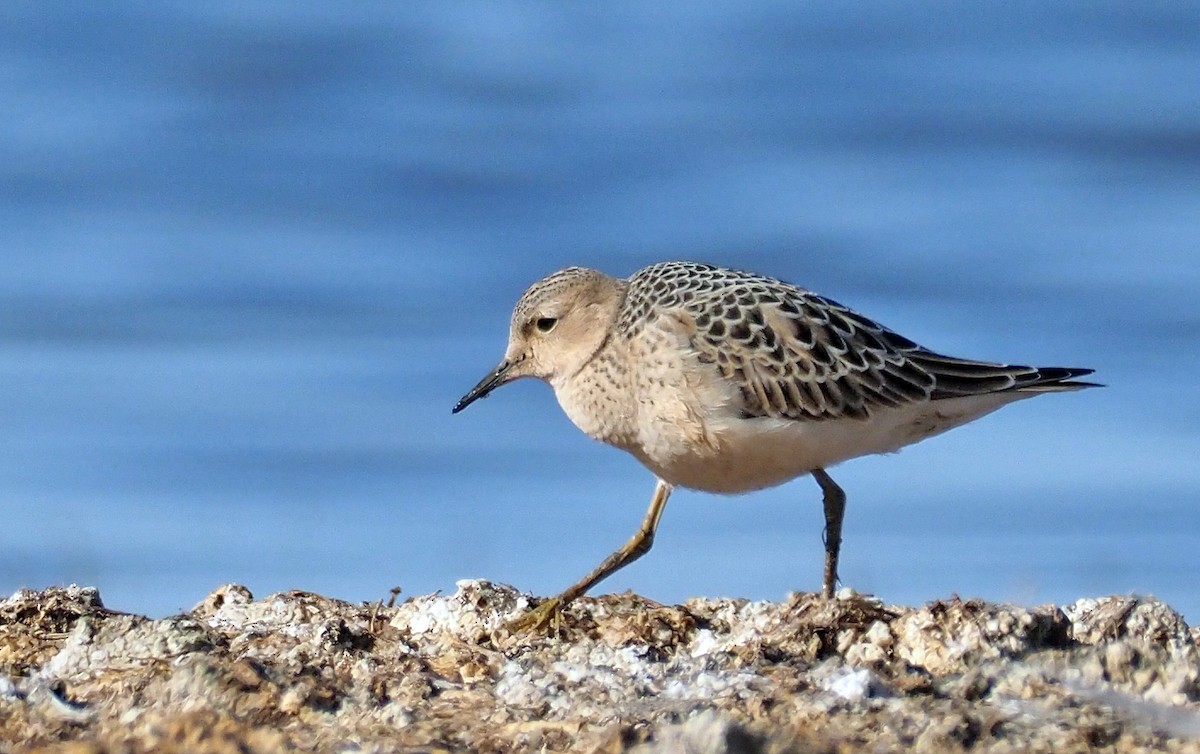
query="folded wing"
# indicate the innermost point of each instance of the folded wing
(797, 355)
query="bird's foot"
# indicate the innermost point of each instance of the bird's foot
(547, 615)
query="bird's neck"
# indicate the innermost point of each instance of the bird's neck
(598, 397)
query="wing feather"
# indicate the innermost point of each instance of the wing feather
(797, 355)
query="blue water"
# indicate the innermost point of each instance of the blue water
(252, 256)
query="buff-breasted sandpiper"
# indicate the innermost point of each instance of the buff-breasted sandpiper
(727, 382)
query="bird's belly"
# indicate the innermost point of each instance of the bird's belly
(750, 454)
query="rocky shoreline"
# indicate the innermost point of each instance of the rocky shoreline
(301, 672)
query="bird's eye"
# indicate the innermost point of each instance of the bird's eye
(545, 324)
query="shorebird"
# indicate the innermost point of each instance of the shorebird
(727, 382)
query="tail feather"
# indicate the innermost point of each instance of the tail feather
(956, 377)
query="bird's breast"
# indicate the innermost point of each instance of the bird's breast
(599, 401)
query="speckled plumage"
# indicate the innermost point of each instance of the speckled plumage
(727, 381)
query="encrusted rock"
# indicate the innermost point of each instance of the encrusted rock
(297, 671)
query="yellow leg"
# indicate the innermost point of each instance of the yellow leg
(835, 507)
(637, 546)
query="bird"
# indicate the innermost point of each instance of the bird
(727, 381)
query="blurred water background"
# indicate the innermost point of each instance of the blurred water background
(253, 253)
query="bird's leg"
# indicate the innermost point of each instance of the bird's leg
(835, 506)
(637, 546)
